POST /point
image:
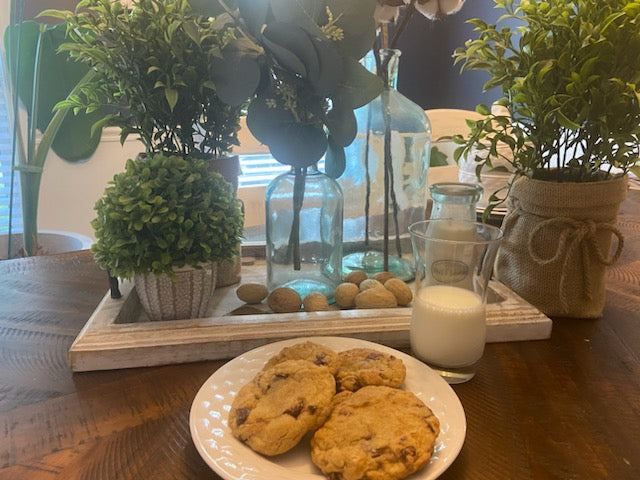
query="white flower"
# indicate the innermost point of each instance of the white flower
(435, 9)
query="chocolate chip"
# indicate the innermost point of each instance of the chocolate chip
(321, 359)
(295, 410)
(373, 356)
(406, 452)
(241, 415)
(312, 409)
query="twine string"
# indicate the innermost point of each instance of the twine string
(577, 243)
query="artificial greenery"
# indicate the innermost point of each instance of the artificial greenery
(155, 63)
(39, 78)
(164, 212)
(569, 72)
(297, 62)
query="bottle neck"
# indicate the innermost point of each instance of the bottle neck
(455, 200)
(389, 59)
(310, 170)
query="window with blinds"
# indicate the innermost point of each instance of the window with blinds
(10, 213)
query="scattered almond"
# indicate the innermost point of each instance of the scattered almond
(252, 293)
(315, 302)
(284, 300)
(357, 276)
(345, 295)
(382, 277)
(400, 289)
(376, 298)
(370, 283)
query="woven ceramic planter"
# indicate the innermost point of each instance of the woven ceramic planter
(185, 297)
(558, 240)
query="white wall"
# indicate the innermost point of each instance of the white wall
(70, 190)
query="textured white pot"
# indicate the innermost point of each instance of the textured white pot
(185, 297)
(50, 241)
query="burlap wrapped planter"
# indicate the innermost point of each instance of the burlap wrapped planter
(557, 243)
(185, 297)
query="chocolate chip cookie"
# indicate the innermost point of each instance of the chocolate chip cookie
(310, 351)
(360, 367)
(281, 404)
(376, 433)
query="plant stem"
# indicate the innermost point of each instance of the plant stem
(387, 166)
(298, 198)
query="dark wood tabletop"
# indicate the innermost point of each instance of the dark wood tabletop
(563, 408)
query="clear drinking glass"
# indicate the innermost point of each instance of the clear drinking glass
(454, 261)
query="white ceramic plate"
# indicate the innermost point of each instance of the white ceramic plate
(233, 460)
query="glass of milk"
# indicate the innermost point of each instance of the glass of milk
(454, 262)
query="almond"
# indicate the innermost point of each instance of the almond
(357, 276)
(315, 302)
(400, 290)
(376, 298)
(382, 277)
(284, 300)
(370, 283)
(252, 293)
(345, 295)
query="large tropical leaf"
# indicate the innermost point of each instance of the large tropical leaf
(58, 76)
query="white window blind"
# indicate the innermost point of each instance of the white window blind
(10, 212)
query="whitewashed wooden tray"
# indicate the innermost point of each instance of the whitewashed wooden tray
(119, 334)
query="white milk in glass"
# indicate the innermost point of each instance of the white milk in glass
(448, 326)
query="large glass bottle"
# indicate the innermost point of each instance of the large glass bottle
(304, 232)
(385, 179)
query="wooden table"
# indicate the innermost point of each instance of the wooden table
(564, 408)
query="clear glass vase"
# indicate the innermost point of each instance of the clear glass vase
(385, 179)
(304, 232)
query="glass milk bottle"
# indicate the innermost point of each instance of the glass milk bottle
(454, 205)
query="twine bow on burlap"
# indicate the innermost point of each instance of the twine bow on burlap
(577, 242)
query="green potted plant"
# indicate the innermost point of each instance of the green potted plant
(569, 73)
(165, 222)
(154, 62)
(37, 78)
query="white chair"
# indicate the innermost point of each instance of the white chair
(446, 122)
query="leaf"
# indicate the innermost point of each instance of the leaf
(437, 158)
(335, 160)
(360, 86)
(77, 139)
(305, 13)
(236, 76)
(254, 14)
(356, 20)
(565, 122)
(298, 145)
(292, 48)
(263, 120)
(342, 124)
(59, 76)
(171, 94)
(330, 67)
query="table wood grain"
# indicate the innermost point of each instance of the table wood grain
(563, 408)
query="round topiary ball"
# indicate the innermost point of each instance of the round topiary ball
(165, 212)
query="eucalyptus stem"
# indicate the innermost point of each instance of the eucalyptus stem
(298, 198)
